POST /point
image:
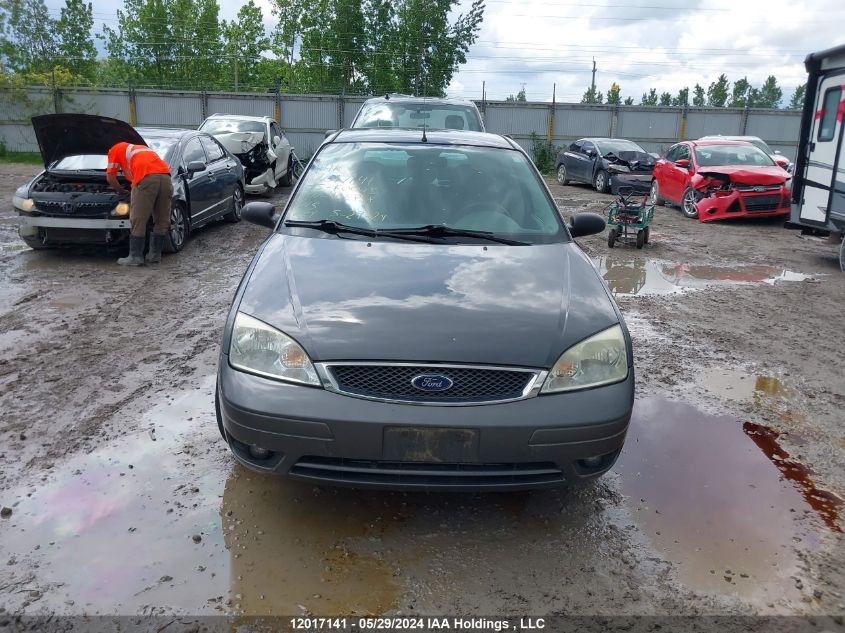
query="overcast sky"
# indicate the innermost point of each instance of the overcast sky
(640, 44)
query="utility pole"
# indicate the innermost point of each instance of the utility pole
(593, 83)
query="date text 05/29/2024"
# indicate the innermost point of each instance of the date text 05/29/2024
(400, 623)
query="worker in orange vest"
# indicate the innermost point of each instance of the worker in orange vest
(152, 193)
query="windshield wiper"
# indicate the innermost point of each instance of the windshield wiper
(441, 230)
(333, 227)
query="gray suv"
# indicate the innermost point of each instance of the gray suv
(420, 317)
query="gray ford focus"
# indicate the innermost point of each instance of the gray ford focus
(421, 318)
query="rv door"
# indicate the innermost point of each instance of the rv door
(824, 152)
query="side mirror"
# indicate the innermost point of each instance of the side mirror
(683, 163)
(195, 166)
(277, 140)
(586, 223)
(329, 133)
(260, 213)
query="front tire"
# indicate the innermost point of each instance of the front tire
(561, 175)
(655, 196)
(600, 181)
(234, 215)
(179, 229)
(688, 204)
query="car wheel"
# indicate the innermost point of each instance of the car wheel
(600, 181)
(237, 205)
(286, 180)
(646, 234)
(179, 228)
(655, 197)
(842, 256)
(688, 203)
(217, 413)
(34, 244)
(611, 238)
(640, 238)
(561, 175)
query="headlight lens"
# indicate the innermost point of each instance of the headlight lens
(121, 209)
(621, 168)
(24, 204)
(601, 359)
(260, 349)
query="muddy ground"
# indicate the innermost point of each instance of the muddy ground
(119, 496)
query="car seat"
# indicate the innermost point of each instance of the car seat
(454, 122)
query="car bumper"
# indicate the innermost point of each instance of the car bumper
(329, 438)
(53, 231)
(72, 223)
(640, 183)
(735, 205)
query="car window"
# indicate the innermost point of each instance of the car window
(386, 186)
(683, 153)
(587, 146)
(672, 154)
(432, 115)
(827, 126)
(212, 149)
(762, 145)
(576, 146)
(618, 147)
(193, 152)
(228, 126)
(713, 155)
(275, 131)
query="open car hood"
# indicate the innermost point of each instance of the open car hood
(63, 135)
(773, 175)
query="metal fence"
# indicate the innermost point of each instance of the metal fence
(305, 118)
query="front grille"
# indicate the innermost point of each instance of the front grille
(76, 209)
(393, 382)
(411, 474)
(768, 202)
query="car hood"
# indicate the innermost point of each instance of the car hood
(239, 142)
(501, 305)
(633, 160)
(740, 175)
(62, 135)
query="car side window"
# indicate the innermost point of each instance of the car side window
(275, 131)
(683, 153)
(576, 147)
(193, 152)
(672, 154)
(588, 147)
(213, 149)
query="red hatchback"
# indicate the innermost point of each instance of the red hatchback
(714, 180)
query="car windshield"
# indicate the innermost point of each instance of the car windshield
(713, 155)
(617, 147)
(763, 146)
(163, 145)
(433, 116)
(227, 126)
(385, 186)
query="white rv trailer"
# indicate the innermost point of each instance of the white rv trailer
(818, 189)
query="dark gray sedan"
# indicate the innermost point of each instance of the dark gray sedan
(420, 317)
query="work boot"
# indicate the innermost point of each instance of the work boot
(154, 254)
(136, 252)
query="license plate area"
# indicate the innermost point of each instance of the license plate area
(437, 445)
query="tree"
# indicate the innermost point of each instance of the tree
(740, 93)
(682, 99)
(629, 101)
(649, 99)
(665, 98)
(613, 95)
(797, 100)
(770, 95)
(592, 95)
(76, 47)
(717, 92)
(244, 42)
(28, 44)
(698, 99)
(520, 96)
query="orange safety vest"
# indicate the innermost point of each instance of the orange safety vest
(135, 161)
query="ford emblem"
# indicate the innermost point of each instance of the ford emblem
(431, 382)
(759, 189)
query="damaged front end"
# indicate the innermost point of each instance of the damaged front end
(742, 193)
(630, 169)
(256, 156)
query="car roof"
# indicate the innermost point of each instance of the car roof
(400, 98)
(729, 137)
(720, 141)
(414, 136)
(238, 117)
(165, 132)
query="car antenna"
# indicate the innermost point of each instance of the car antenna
(425, 96)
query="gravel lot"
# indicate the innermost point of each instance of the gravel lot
(726, 499)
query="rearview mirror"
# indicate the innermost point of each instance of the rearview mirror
(260, 213)
(683, 163)
(195, 166)
(586, 223)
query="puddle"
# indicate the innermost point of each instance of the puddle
(718, 500)
(739, 385)
(657, 277)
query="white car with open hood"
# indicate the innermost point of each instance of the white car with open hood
(260, 145)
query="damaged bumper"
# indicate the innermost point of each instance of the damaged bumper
(262, 182)
(739, 202)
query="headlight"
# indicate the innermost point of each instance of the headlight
(121, 209)
(614, 167)
(601, 359)
(24, 204)
(260, 349)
